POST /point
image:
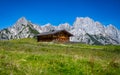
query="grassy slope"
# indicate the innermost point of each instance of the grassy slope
(28, 57)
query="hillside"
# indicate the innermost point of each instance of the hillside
(28, 57)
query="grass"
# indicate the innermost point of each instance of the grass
(28, 57)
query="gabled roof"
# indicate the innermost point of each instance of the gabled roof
(54, 32)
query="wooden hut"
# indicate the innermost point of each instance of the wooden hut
(59, 36)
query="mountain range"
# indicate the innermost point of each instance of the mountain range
(84, 29)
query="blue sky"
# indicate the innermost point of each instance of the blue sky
(59, 11)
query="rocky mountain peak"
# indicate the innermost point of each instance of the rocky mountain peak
(48, 27)
(84, 29)
(65, 26)
(21, 21)
(84, 19)
(110, 26)
(21, 29)
(81, 22)
(48, 24)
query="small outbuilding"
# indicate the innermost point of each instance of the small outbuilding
(58, 36)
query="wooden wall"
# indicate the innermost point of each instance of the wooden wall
(59, 37)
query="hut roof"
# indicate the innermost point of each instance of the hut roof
(54, 32)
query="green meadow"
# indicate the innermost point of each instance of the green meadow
(29, 57)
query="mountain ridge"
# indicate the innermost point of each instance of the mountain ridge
(84, 29)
